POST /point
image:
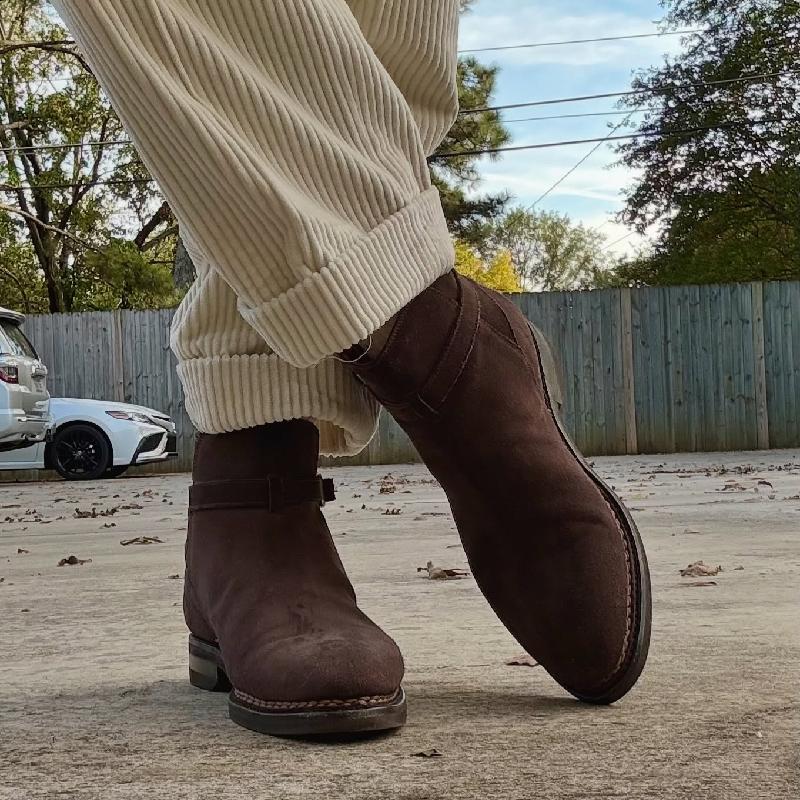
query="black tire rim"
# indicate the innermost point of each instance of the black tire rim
(78, 453)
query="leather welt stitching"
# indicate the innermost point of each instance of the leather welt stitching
(356, 702)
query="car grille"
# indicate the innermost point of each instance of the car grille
(151, 443)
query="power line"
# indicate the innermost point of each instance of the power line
(556, 101)
(64, 146)
(618, 241)
(655, 35)
(580, 41)
(91, 185)
(634, 92)
(121, 142)
(580, 163)
(645, 134)
(582, 116)
(438, 156)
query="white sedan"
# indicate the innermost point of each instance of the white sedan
(93, 438)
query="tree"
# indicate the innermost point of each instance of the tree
(66, 191)
(456, 176)
(68, 203)
(549, 251)
(727, 194)
(499, 274)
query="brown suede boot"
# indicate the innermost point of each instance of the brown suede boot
(552, 548)
(271, 612)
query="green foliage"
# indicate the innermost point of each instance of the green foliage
(48, 97)
(726, 201)
(549, 251)
(125, 279)
(454, 177)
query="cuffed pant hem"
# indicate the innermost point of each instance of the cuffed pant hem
(363, 288)
(228, 393)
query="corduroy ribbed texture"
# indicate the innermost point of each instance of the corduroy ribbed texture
(289, 138)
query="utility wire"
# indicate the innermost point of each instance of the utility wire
(580, 163)
(632, 93)
(618, 241)
(557, 101)
(581, 41)
(439, 156)
(120, 142)
(642, 135)
(64, 146)
(9, 46)
(582, 116)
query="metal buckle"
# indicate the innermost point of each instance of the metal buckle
(327, 492)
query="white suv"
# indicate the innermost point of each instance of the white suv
(24, 401)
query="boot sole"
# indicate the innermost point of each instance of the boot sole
(641, 571)
(207, 671)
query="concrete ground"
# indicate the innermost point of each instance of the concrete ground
(94, 701)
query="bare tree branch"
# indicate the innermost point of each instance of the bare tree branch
(162, 215)
(60, 45)
(172, 231)
(52, 228)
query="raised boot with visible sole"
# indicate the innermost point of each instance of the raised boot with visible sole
(272, 614)
(553, 549)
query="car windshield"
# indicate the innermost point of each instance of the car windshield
(13, 341)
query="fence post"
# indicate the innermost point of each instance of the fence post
(117, 350)
(631, 433)
(759, 353)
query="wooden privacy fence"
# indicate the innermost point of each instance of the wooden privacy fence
(667, 369)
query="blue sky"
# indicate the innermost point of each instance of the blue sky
(592, 194)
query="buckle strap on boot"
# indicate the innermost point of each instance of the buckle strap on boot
(273, 493)
(453, 360)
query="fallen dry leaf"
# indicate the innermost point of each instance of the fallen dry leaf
(175, 577)
(523, 660)
(733, 486)
(701, 583)
(22, 551)
(440, 574)
(94, 513)
(766, 483)
(71, 561)
(700, 570)
(432, 753)
(142, 540)
(392, 512)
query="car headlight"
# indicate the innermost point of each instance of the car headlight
(131, 416)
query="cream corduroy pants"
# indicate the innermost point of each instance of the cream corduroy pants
(290, 139)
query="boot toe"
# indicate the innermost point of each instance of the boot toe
(320, 669)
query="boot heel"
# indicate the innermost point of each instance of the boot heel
(206, 670)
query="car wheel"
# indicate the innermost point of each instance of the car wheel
(116, 472)
(80, 453)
